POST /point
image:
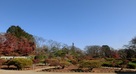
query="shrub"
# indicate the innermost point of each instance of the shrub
(2, 61)
(114, 63)
(35, 61)
(40, 57)
(20, 63)
(52, 62)
(107, 64)
(118, 63)
(132, 65)
(72, 61)
(133, 60)
(64, 64)
(89, 64)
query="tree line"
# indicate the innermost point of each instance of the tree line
(18, 42)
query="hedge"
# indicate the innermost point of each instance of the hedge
(20, 63)
(132, 65)
(64, 64)
(90, 64)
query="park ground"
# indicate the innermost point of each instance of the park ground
(34, 72)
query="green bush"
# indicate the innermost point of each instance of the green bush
(133, 60)
(64, 64)
(132, 65)
(40, 57)
(20, 63)
(118, 63)
(107, 64)
(114, 63)
(90, 64)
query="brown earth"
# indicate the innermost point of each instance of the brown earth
(34, 72)
(68, 70)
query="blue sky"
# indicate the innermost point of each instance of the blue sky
(84, 22)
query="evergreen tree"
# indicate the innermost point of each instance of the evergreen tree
(20, 33)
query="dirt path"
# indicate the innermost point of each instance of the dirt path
(40, 69)
(34, 72)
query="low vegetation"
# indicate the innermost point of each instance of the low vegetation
(90, 64)
(2, 61)
(20, 63)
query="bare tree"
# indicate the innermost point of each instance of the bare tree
(93, 50)
(2, 38)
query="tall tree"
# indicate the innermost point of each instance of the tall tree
(75, 51)
(130, 49)
(8, 46)
(132, 44)
(106, 52)
(122, 53)
(15, 46)
(40, 45)
(93, 51)
(16, 42)
(19, 33)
